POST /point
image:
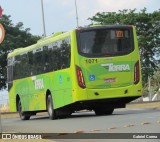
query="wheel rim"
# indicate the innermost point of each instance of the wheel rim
(50, 107)
(20, 109)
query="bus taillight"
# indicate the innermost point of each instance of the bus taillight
(136, 72)
(80, 77)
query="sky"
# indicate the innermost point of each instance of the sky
(60, 15)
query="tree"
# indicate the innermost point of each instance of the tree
(15, 37)
(154, 84)
(156, 80)
(148, 33)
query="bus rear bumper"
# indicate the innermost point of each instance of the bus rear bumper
(134, 91)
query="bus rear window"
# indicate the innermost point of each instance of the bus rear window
(105, 42)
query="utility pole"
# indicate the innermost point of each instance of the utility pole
(44, 29)
(76, 13)
(149, 88)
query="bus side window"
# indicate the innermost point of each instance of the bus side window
(17, 67)
(10, 69)
(57, 55)
(47, 56)
(21, 66)
(64, 54)
(38, 61)
(10, 72)
(30, 62)
(24, 65)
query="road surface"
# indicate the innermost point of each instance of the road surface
(122, 121)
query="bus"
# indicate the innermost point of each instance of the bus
(93, 68)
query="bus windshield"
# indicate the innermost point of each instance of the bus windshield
(105, 42)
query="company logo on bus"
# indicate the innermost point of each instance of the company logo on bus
(112, 68)
(39, 84)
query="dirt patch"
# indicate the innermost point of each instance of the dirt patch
(9, 115)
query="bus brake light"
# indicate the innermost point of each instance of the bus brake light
(136, 73)
(80, 77)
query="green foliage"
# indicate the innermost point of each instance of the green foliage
(156, 80)
(148, 32)
(15, 37)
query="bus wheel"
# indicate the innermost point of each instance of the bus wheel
(50, 109)
(103, 112)
(22, 115)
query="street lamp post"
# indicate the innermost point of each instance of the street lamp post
(76, 13)
(44, 29)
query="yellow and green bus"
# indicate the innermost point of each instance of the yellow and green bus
(94, 68)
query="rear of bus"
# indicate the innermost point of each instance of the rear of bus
(107, 65)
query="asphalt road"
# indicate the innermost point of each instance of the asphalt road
(122, 121)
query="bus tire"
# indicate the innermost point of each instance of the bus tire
(22, 114)
(99, 112)
(50, 108)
